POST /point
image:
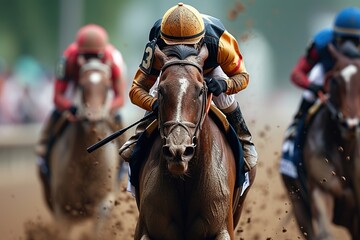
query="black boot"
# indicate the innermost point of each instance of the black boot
(52, 128)
(44, 176)
(237, 121)
(127, 149)
(41, 147)
(303, 109)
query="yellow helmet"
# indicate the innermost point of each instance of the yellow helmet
(182, 24)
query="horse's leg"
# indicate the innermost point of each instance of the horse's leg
(102, 216)
(140, 232)
(356, 196)
(323, 212)
(63, 228)
(46, 189)
(223, 235)
(240, 205)
(145, 237)
(300, 206)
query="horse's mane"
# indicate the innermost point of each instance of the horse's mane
(350, 50)
(180, 51)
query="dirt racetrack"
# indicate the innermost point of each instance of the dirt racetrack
(23, 214)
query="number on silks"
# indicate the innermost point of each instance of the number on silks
(148, 57)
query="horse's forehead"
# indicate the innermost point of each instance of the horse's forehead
(348, 72)
(184, 84)
(95, 77)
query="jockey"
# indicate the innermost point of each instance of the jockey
(91, 43)
(310, 73)
(224, 70)
(346, 28)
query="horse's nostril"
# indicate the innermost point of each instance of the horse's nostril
(189, 151)
(166, 151)
(178, 151)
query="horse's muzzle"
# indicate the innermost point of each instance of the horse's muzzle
(178, 157)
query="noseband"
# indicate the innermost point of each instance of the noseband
(346, 123)
(185, 124)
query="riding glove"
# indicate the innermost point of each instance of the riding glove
(315, 88)
(216, 86)
(73, 110)
(155, 106)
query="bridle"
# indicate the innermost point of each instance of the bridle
(185, 124)
(102, 68)
(338, 116)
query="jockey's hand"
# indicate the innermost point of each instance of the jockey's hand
(216, 86)
(155, 106)
(71, 114)
(315, 88)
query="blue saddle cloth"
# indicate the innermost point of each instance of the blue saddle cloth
(144, 145)
(292, 155)
(292, 159)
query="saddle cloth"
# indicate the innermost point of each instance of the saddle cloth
(292, 163)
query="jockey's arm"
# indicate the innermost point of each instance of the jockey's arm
(300, 72)
(139, 92)
(118, 76)
(118, 86)
(60, 101)
(64, 74)
(231, 61)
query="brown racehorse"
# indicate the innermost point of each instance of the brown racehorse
(186, 184)
(83, 185)
(332, 153)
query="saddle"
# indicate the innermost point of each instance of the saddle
(143, 147)
(292, 155)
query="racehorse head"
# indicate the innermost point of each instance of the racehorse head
(94, 96)
(182, 97)
(345, 88)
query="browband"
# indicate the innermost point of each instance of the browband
(182, 62)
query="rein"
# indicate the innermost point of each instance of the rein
(185, 124)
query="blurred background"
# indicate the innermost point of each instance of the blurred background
(272, 35)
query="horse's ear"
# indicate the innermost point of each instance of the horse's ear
(203, 54)
(160, 58)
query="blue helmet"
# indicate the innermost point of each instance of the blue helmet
(347, 22)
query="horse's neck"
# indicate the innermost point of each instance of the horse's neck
(85, 133)
(206, 144)
(335, 142)
(329, 124)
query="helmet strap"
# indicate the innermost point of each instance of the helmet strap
(199, 44)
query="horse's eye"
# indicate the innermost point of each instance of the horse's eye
(201, 92)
